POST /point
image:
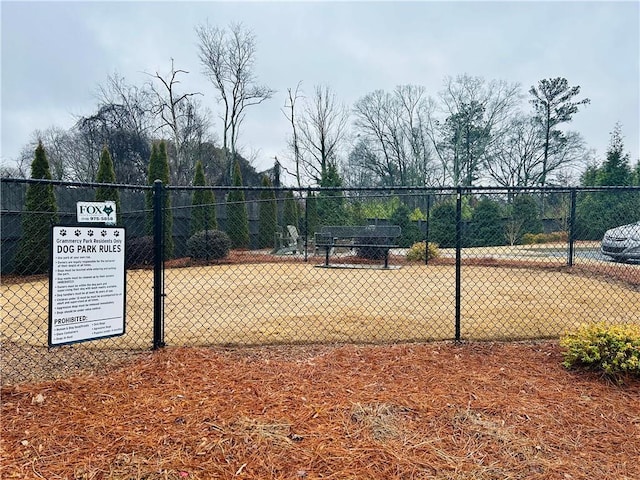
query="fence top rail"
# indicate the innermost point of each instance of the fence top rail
(309, 189)
(64, 183)
(409, 189)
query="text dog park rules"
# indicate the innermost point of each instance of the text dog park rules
(87, 284)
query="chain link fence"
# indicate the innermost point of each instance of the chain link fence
(25, 262)
(257, 266)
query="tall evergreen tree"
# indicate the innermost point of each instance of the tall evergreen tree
(151, 172)
(159, 170)
(107, 174)
(589, 177)
(615, 170)
(291, 214)
(268, 215)
(331, 203)
(467, 137)
(553, 102)
(311, 212)
(203, 212)
(635, 176)
(409, 233)
(40, 213)
(598, 211)
(486, 228)
(442, 224)
(525, 212)
(237, 218)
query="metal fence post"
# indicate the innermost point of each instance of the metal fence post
(458, 258)
(572, 227)
(306, 224)
(158, 263)
(426, 233)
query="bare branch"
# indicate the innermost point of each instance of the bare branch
(228, 58)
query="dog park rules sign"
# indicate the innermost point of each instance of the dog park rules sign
(86, 284)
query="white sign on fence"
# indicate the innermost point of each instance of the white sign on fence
(96, 212)
(87, 284)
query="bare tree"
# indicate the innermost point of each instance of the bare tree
(195, 132)
(518, 160)
(134, 104)
(392, 141)
(20, 166)
(290, 113)
(10, 169)
(57, 144)
(228, 57)
(179, 114)
(415, 108)
(322, 126)
(372, 150)
(65, 153)
(475, 115)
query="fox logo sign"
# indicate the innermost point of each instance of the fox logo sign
(100, 212)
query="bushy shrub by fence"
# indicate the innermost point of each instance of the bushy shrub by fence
(419, 252)
(609, 348)
(209, 245)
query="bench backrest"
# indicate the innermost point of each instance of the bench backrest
(361, 231)
(293, 233)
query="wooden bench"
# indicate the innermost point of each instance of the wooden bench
(372, 238)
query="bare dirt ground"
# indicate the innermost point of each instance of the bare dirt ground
(294, 302)
(254, 298)
(411, 411)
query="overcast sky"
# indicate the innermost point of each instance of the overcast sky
(55, 54)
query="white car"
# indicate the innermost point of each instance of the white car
(622, 243)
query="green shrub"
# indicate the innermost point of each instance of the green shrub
(139, 252)
(418, 251)
(417, 215)
(612, 349)
(535, 238)
(209, 245)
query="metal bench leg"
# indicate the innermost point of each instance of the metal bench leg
(386, 258)
(326, 256)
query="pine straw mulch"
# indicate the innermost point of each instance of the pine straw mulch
(475, 411)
